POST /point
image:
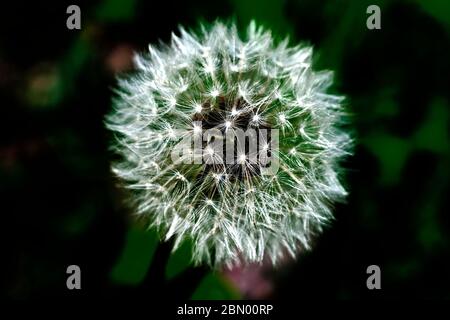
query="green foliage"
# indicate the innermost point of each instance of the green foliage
(136, 257)
(179, 260)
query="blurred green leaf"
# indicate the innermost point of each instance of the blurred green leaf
(136, 257)
(116, 10)
(392, 152)
(439, 9)
(430, 233)
(433, 134)
(179, 260)
(270, 13)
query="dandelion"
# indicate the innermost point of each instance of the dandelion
(216, 79)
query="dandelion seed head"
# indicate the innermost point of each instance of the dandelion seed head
(217, 80)
(197, 129)
(198, 108)
(215, 93)
(242, 158)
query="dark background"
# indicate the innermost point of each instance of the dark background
(60, 205)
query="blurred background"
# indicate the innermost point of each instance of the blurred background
(60, 204)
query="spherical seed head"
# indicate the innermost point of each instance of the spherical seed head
(236, 211)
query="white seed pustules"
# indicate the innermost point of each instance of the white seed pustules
(215, 80)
